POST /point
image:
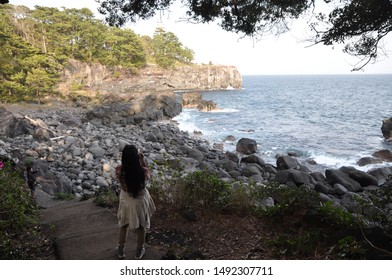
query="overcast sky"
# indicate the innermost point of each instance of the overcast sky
(286, 54)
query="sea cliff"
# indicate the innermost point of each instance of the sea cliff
(100, 79)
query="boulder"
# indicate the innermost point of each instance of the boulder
(339, 177)
(386, 128)
(230, 138)
(53, 183)
(339, 189)
(322, 188)
(11, 126)
(195, 100)
(384, 155)
(250, 170)
(149, 108)
(206, 105)
(42, 135)
(170, 106)
(229, 165)
(318, 177)
(361, 177)
(96, 150)
(381, 174)
(253, 159)
(246, 146)
(368, 160)
(232, 156)
(295, 176)
(287, 162)
(195, 154)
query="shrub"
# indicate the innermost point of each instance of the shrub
(106, 198)
(202, 189)
(335, 215)
(288, 200)
(19, 215)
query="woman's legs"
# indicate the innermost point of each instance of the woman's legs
(122, 236)
(140, 240)
(140, 237)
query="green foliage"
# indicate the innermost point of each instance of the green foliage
(64, 196)
(287, 199)
(122, 48)
(199, 189)
(202, 189)
(19, 214)
(349, 248)
(336, 215)
(168, 50)
(243, 198)
(106, 198)
(35, 45)
(298, 246)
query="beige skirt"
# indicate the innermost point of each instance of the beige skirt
(135, 212)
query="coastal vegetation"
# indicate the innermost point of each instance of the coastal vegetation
(37, 44)
(299, 226)
(20, 233)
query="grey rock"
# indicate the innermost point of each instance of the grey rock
(339, 177)
(12, 126)
(287, 162)
(386, 128)
(294, 176)
(101, 182)
(322, 188)
(232, 157)
(250, 170)
(246, 146)
(324, 198)
(339, 189)
(40, 134)
(350, 201)
(195, 154)
(318, 177)
(96, 151)
(381, 174)
(229, 165)
(253, 159)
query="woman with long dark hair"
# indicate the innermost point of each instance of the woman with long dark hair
(136, 205)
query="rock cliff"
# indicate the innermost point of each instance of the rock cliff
(98, 78)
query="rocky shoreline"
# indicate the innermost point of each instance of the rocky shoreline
(75, 150)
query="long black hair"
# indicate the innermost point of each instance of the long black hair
(132, 170)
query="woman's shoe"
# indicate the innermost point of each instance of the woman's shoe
(140, 253)
(120, 252)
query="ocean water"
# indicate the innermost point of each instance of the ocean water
(332, 119)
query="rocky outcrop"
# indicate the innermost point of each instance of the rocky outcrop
(151, 78)
(386, 129)
(195, 100)
(150, 108)
(12, 125)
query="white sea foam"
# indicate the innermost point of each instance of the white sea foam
(185, 121)
(224, 110)
(332, 161)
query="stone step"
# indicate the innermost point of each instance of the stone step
(85, 231)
